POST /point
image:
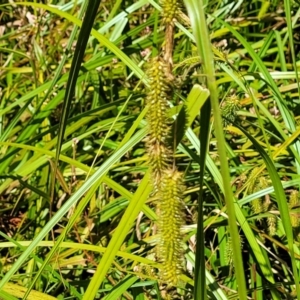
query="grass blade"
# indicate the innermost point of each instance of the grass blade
(282, 204)
(125, 224)
(83, 37)
(198, 21)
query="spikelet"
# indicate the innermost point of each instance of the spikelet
(170, 10)
(169, 250)
(229, 110)
(258, 206)
(294, 202)
(272, 222)
(267, 206)
(158, 140)
(188, 62)
(229, 251)
(253, 178)
(145, 270)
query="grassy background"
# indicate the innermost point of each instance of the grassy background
(89, 232)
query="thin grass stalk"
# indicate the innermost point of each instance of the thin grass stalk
(288, 9)
(200, 278)
(83, 38)
(198, 22)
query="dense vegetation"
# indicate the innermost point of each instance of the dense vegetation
(117, 143)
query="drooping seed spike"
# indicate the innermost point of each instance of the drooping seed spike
(170, 251)
(158, 141)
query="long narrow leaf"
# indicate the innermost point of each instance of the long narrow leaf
(200, 31)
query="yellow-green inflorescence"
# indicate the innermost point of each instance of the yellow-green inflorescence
(170, 9)
(294, 202)
(260, 205)
(158, 140)
(272, 221)
(229, 252)
(257, 183)
(169, 211)
(230, 108)
(166, 180)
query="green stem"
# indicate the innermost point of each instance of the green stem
(200, 31)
